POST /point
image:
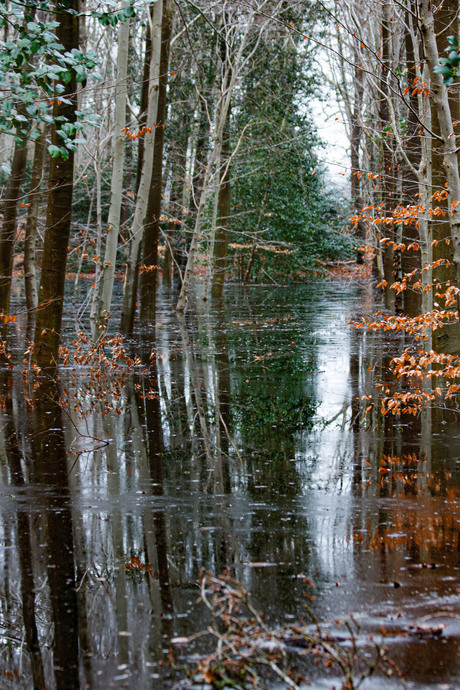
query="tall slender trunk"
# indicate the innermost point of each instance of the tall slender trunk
(116, 187)
(425, 230)
(10, 206)
(8, 232)
(152, 225)
(220, 118)
(174, 231)
(355, 146)
(445, 157)
(130, 293)
(411, 260)
(52, 279)
(388, 187)
(144, 95)
(224, 208)
(98, 247)
(197, 142)
(30, 273)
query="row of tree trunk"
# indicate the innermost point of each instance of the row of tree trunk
(211, 175)
(404, 151)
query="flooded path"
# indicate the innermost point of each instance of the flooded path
(243, 447)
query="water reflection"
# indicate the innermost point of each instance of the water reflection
(237, 442)
(45, 539)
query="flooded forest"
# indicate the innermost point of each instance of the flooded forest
(230, 344)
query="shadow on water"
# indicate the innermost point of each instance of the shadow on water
(236, 441)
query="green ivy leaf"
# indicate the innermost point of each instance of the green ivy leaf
(54, 151)
(443, 69)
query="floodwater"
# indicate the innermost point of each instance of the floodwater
(235, 442)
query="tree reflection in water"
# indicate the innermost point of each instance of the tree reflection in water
(238, 444)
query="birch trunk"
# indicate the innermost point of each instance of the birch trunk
(97, 273)
(224, 206)
(440, 99)
(30, 273)
(8, 232)
(116, 189)
(355, 148)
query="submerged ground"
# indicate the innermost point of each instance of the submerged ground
(243, 447)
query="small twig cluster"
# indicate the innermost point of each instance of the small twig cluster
(106, 365)
(247, 653)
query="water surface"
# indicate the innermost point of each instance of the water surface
(236, 441)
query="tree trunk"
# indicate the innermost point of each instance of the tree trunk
(8, 233)
(10, 206)
(222, 108)
(149, 276)
(116, 187)
(445, 158)
(411, 260)
(130, 293)
(190, 195)
(387, 160)
(144, 95)
(51, 291)
(173, 231)
(224, 208)
(98, 247)
(355, 145)
(30, 274)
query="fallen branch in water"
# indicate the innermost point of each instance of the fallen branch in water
(247, 653)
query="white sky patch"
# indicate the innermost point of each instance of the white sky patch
(331, 131)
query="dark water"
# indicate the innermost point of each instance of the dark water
(242, 447)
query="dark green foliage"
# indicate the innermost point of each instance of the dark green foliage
(279, 194)
(450, 64)
(113, 18)
(34, 67)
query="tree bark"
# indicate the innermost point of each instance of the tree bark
(30, 273)
(130, 293)
(411, 260)
(144, 95)
(149, 276)
(224, 208)
(355, 146)
(8, 233)
(220, 118)
(445, 159)
(387, 160)
(51, 291)
(116, 187)
(10, 207)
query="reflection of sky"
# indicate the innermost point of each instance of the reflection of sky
(333, 365)
(269, 537)
(326, 454)
(325, 449)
